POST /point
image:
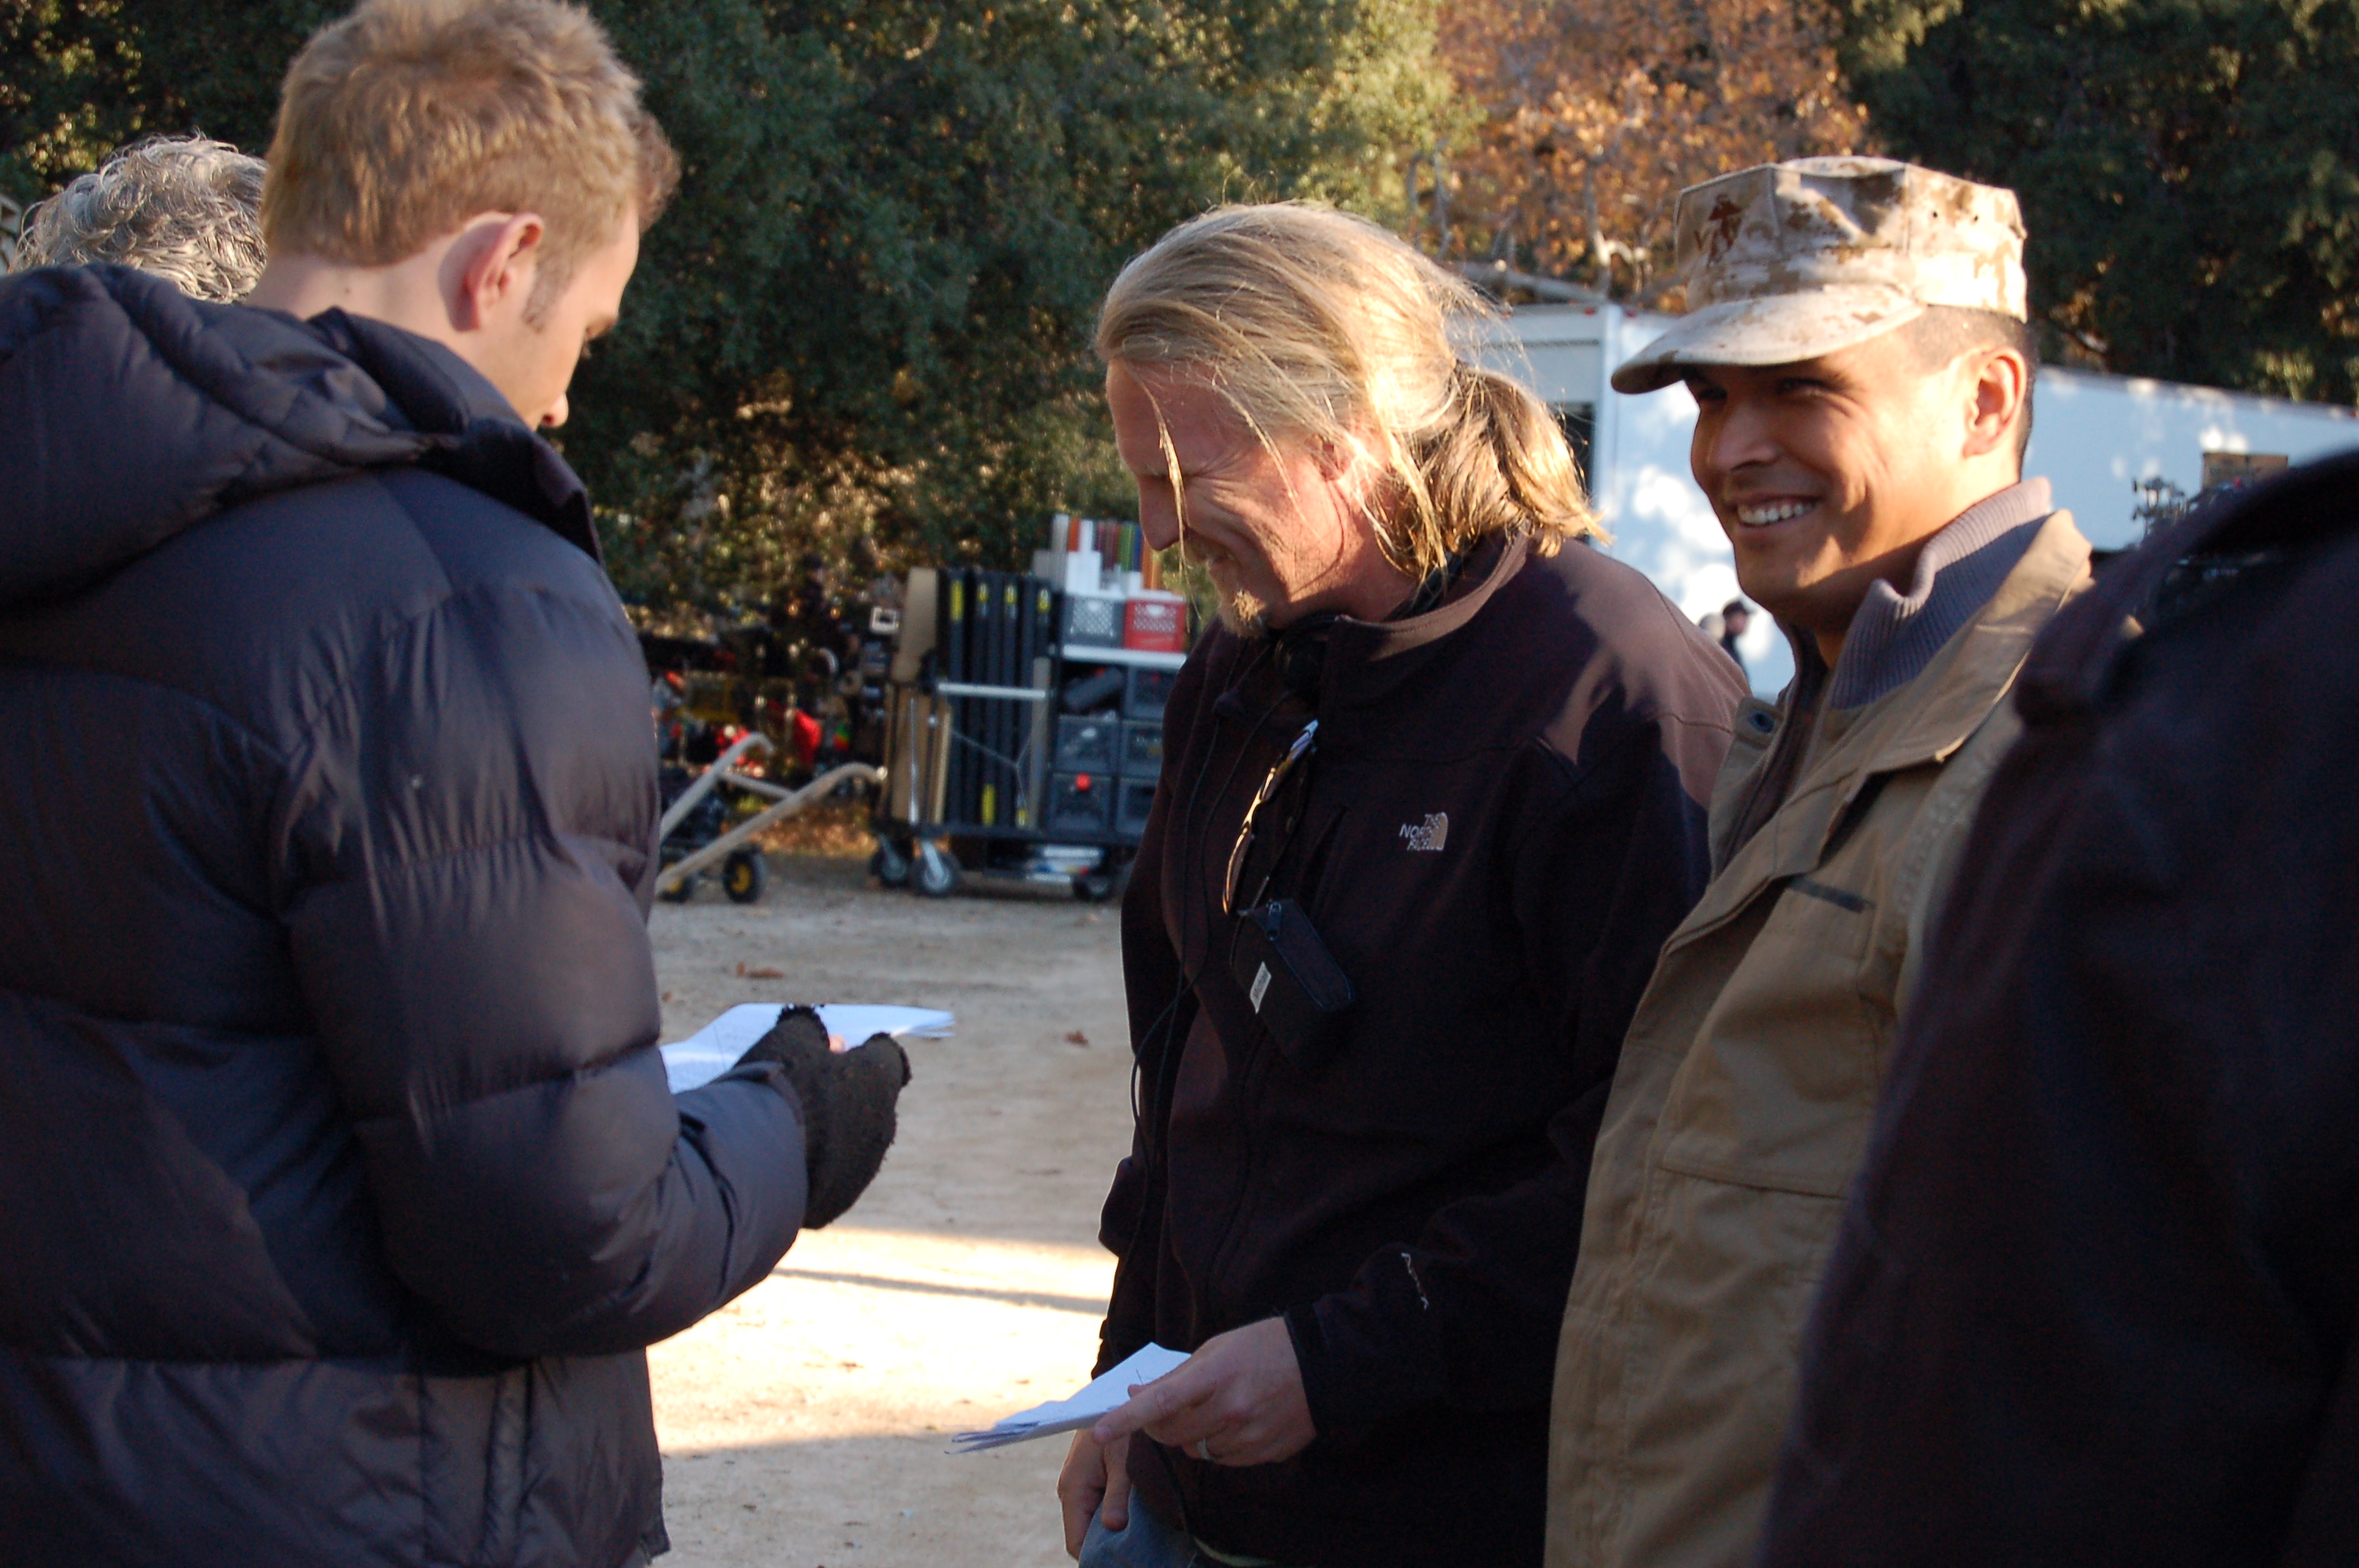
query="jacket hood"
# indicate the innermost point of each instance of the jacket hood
(130, 412)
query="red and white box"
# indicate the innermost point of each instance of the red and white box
(1154, 623)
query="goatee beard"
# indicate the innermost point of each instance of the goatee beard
(1243, 614)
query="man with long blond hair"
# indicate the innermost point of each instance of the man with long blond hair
(344, 1188)
(1432, 796)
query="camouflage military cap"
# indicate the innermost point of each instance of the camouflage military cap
(1790, 261)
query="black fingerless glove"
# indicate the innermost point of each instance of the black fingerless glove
(847, 1099)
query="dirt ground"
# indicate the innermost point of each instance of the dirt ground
(806, 1425)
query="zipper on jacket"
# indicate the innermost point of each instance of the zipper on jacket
(1248, 1087)
(1307, 884)
(1221, 937)
(1779, 769)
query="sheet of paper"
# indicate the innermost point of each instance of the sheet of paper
(1109, 1391)
(715, 1048)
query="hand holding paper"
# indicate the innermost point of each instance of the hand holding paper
(847, 1103)
(1238, 1400)
(1103, 1393)
(715, 1048)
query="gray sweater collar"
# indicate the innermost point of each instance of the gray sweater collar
(1893, 637)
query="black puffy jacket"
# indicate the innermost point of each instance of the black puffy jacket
(340, 1187)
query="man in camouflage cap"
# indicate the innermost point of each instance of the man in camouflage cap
(1790, 261)
(1857, 349)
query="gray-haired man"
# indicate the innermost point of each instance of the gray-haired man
(1861, 370)
(184, 208)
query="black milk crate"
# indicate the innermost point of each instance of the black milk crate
(1145, 691)
(1087, 743)
(1142, 749)
(1092, 620)
(1138, 800)
(1080, 803)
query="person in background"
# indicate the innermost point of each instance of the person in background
(1432, 795)
(344, 1188)
(1735, 619)
(1861, 370)
(2096, 1299)
(1725, 625)
(183, 208)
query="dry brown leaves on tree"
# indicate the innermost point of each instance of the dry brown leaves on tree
(1594, 114)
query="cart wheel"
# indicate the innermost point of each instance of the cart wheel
(741, 876)
(1104, 886)
(680, 891)
(936, 872)
(890, 864)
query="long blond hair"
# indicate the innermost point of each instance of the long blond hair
(1317, 327)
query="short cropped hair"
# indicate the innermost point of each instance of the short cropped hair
(183, 207)
(402, 121)
(1936, 337)
(1312, 324)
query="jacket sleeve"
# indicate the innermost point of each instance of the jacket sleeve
(1467, 1313)
(466, 859)
(1131, 1225)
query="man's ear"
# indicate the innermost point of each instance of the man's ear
(2001, 383)
(1353, 452)
(1360, 477)
(498, 257)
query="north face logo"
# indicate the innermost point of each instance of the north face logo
(1431, 834)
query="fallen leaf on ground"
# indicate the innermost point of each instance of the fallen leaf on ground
(762, 973)
(1075, 1037)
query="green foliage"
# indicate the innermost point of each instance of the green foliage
(867, 319)
(2189, 169)
(86, 76)
(863, 328)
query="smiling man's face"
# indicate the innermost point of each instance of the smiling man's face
(1830, 473)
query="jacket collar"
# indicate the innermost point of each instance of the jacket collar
(473, 435)
(1933, 715)
(1369, 662)
(1924, 721)
(1894, 635)
(130, 414)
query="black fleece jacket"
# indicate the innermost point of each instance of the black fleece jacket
(1503, 818)
(342, 1184)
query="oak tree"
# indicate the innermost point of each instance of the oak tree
(863, 330)
(2189, 169)
(1589, 115)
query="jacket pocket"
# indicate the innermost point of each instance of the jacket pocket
(504, 1465)
(1777, 1088)
(472, 1427)
(1719, 1295)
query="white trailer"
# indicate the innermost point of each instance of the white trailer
(2094, 438)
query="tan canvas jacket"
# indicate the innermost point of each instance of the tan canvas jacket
(1748, 1080)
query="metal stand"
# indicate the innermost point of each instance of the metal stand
(789, 802)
